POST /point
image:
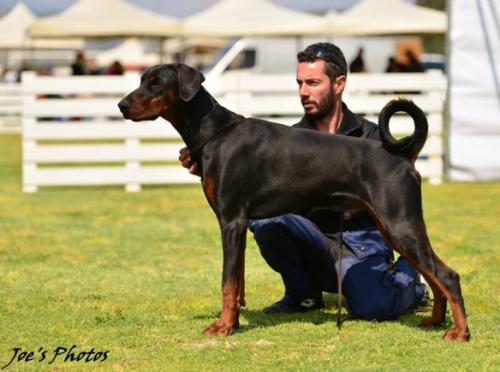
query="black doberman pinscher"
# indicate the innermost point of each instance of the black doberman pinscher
(254, 169)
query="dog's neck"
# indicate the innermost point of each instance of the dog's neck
(201, 119)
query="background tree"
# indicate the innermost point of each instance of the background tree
(434, 43)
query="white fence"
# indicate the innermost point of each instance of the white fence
(73, 133)
(11, 101)
(275, 97)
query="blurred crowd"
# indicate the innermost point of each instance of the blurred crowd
(80, 66)
(84, 66)
(412, 63)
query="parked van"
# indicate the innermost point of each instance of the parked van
(251, 57)
(258, 55)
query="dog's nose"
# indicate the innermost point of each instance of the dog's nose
(124, 106)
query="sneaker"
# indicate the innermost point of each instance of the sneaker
(423, 304)
(308, 304)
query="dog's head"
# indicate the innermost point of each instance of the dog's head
(160, 90)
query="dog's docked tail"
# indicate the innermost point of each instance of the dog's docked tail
(407, 147)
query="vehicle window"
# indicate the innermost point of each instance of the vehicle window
(245, 59)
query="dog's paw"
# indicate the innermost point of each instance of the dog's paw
(219, 329)
(456, 334)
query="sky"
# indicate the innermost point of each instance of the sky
(176, 8)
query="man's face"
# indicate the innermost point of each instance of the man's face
(317, 92)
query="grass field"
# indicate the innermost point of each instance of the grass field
(138, 275)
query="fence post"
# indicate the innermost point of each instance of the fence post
(133, 165)
(28, 143)
(438, 94)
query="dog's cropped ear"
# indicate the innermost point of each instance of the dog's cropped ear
(190, 80)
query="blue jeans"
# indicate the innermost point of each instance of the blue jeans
(374, 286)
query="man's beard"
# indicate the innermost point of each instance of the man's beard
(323, 108)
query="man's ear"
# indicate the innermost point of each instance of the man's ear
(190, 80)
(339, 84)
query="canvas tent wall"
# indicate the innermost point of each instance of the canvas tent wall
(131, 52)
(474, 90)
(386, 17)
(231, 18)
(104, 18)
(13, 28)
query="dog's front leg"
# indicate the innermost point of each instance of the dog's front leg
(233, 244)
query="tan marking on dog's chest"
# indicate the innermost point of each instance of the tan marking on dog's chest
(209, 188)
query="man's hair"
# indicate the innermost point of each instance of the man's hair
(335, 65)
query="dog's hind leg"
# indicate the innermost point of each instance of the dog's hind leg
(408, 236)
(439, 308)
(397, 210)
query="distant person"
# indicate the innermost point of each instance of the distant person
(358, 63)
(47, 69)
(413, 64)
(9, 76)
(79, 66)
(92, 67)
(22, 67)
(393, 65)
(116, 68)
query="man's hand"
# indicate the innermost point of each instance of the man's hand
(186, 162)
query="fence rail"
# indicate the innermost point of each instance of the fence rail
(73, 132)
(11, 103)
(275, 97)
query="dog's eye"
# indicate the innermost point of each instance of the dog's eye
(156, 83)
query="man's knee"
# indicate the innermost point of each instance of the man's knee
(366, 293)
(373, 305)
(267, 231)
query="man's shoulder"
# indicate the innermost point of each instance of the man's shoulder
(367, 124)
(304, 123)
(357, 125)
(361, 120)
(352, 124)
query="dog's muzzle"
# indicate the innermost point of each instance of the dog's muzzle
(124, 107)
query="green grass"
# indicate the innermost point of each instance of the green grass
(138, 274)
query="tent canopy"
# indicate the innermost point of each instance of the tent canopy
(231, 18)
(104, 18)
(384, 17)
(130, 52)
(13, 28)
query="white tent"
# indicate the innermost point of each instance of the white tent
(474, 91)
(13, 28)
(104, 18)
(385, 17)
(130, 52)
(230, 18)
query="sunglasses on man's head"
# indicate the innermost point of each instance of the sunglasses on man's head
(325, 54)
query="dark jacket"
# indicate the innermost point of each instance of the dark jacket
(328, 218)
(351, 125)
